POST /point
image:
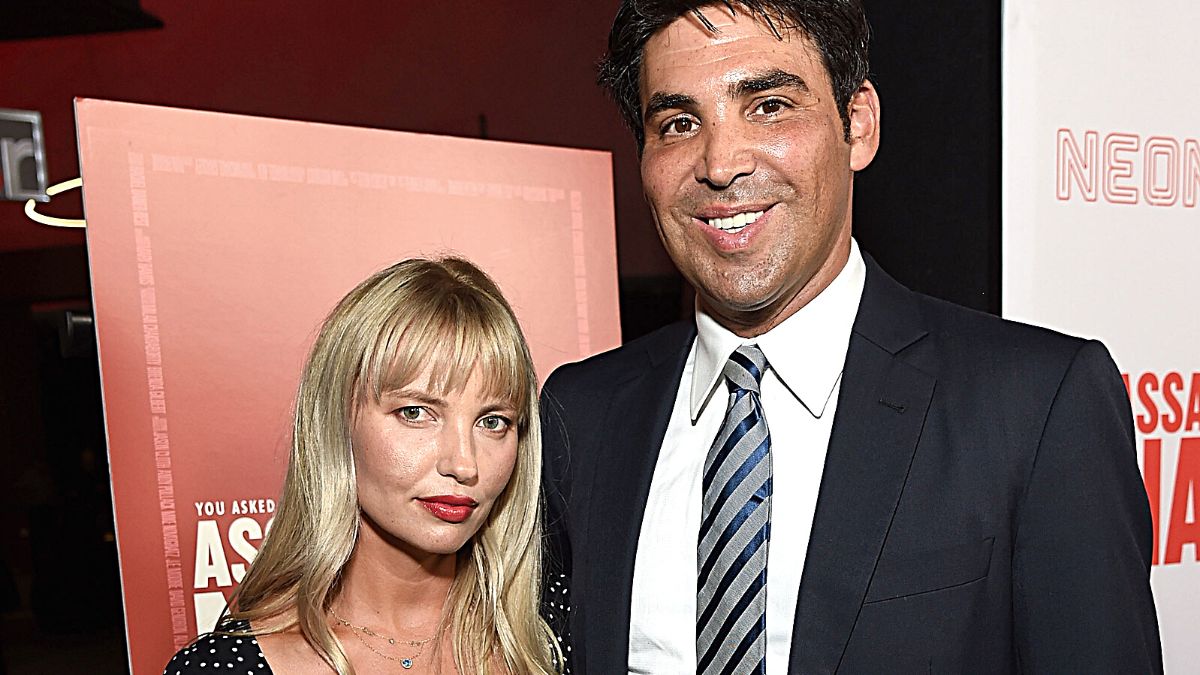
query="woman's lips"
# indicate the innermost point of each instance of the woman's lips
(450, 508)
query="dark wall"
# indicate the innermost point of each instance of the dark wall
(55, 505)
(928, 208)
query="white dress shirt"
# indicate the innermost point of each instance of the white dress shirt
(806, 354)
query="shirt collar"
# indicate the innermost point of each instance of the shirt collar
(806, 351)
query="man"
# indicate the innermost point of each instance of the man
(825, 471)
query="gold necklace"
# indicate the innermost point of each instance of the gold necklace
(405, 663)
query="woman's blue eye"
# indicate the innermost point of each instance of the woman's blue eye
(494, 423)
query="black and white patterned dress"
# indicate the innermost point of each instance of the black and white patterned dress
(219, 652)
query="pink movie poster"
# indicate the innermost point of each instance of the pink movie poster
(218, 243)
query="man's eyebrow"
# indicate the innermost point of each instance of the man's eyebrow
(660, 101)
(772, 79)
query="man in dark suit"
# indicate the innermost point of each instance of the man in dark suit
(824, 471)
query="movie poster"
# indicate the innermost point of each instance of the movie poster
(1102, 232)
(218, 243)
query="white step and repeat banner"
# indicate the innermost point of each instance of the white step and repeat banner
(1101, 235)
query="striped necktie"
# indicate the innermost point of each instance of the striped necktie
(735, 527)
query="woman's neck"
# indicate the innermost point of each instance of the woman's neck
(393, 589)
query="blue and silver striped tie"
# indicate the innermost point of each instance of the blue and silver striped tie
(735, 526)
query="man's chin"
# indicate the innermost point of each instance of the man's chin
(737, 308)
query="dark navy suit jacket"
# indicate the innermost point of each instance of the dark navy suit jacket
(980, 511)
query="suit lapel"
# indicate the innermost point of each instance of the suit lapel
(880, 415)
(623, 467)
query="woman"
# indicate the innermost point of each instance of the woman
(408, 536)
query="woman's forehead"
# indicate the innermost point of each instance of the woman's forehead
(454, 374)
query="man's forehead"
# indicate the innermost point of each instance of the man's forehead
(718, 23)
(735, 46)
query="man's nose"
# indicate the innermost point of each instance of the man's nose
(727, 154)
(456, 457)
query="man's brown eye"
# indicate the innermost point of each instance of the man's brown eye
(682, 125)
(771, 107)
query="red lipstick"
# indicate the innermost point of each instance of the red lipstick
(450, 508)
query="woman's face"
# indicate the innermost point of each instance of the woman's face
(431, 464)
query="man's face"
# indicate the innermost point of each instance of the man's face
(746, 167)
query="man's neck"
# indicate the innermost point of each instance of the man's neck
(755, 322)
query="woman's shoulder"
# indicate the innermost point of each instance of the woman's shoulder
(229, 649)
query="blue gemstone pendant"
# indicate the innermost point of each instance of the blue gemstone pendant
(407, 663)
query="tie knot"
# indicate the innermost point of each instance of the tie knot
(745, 367)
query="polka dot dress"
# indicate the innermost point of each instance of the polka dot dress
(556, 610)
(241, 655)
(216, 653)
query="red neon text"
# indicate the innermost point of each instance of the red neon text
(1125, 169)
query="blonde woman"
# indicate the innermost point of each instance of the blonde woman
(408, 536)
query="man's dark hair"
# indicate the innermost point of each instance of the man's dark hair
(838, 28)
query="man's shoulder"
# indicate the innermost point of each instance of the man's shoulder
(609, 369)
(956, 321)
(977, 344)
(920, 326)
(576, 394)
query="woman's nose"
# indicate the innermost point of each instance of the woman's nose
(457, 454)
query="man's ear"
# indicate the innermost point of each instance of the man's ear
(864, 126)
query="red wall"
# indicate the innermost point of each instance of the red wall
(432, 67)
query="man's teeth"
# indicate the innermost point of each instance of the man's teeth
(734, 223)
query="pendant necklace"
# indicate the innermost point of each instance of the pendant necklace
(360, 631)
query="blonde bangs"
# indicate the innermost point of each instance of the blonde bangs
(450, 334)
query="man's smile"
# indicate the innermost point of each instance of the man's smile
(734, 223)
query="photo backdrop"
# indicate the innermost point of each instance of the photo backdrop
(217, 244)
(1101, 178)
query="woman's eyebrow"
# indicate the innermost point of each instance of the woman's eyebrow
(412, 394)
(499, 406)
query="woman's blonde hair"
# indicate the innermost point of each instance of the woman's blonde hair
(448, 316)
